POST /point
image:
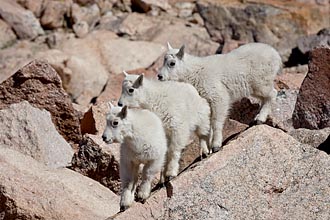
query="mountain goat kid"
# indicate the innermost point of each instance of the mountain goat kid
(180, 108)
(143, 141)
(225, 78)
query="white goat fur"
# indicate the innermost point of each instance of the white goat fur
(180, 108)
(223, 79)
(143, 141)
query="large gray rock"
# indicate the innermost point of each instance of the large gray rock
(22, 21)
(29, 190)
(31, 131)
(7, 36)
(263, 174)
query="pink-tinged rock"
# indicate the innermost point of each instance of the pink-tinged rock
(232, 128)
(15, 57)
(122, 54)
(7, 36)
(24, 23)
(53, 15)
(81, 29)
(84, 2)
(89, 14)
(147, 5)
(94, 120)
(31, 131)
(312, 109)
(98, 161)
(193, 152)
(230, 45)
(139, 26)
(87, 122)
(82, 65)
(245, 110)
(263, 21)
(311, 137)
(196, 39)
(165, 29)
(57, 37)
(264, 174)
(112, 90)
(105, 5)
(40, 85)
(291, 78)
(36, 6)
(282, 109)
(30, 190)
(57, 59)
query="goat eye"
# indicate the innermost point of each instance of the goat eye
(130, 90)
(172, 63)
(114, 123)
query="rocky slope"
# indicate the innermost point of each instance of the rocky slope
(61, 62)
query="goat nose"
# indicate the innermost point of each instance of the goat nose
(160, 77)
(120, 104)
(104, 138)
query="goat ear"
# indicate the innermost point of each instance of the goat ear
(138, 82)
(125, 73)
(180, 53)
(169, 47)
(123, 112)
(110, 105)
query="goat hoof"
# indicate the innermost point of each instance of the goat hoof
(123, 208)
(169, 189)
(203, 156)
(168, 178)
(216, 149)
(141, 200)
(255, 122)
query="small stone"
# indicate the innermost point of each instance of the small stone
(81, 29)
(7, 36)
(53, 15)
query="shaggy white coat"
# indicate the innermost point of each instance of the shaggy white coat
(223, 79)
(143, 141)
(180, 108)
